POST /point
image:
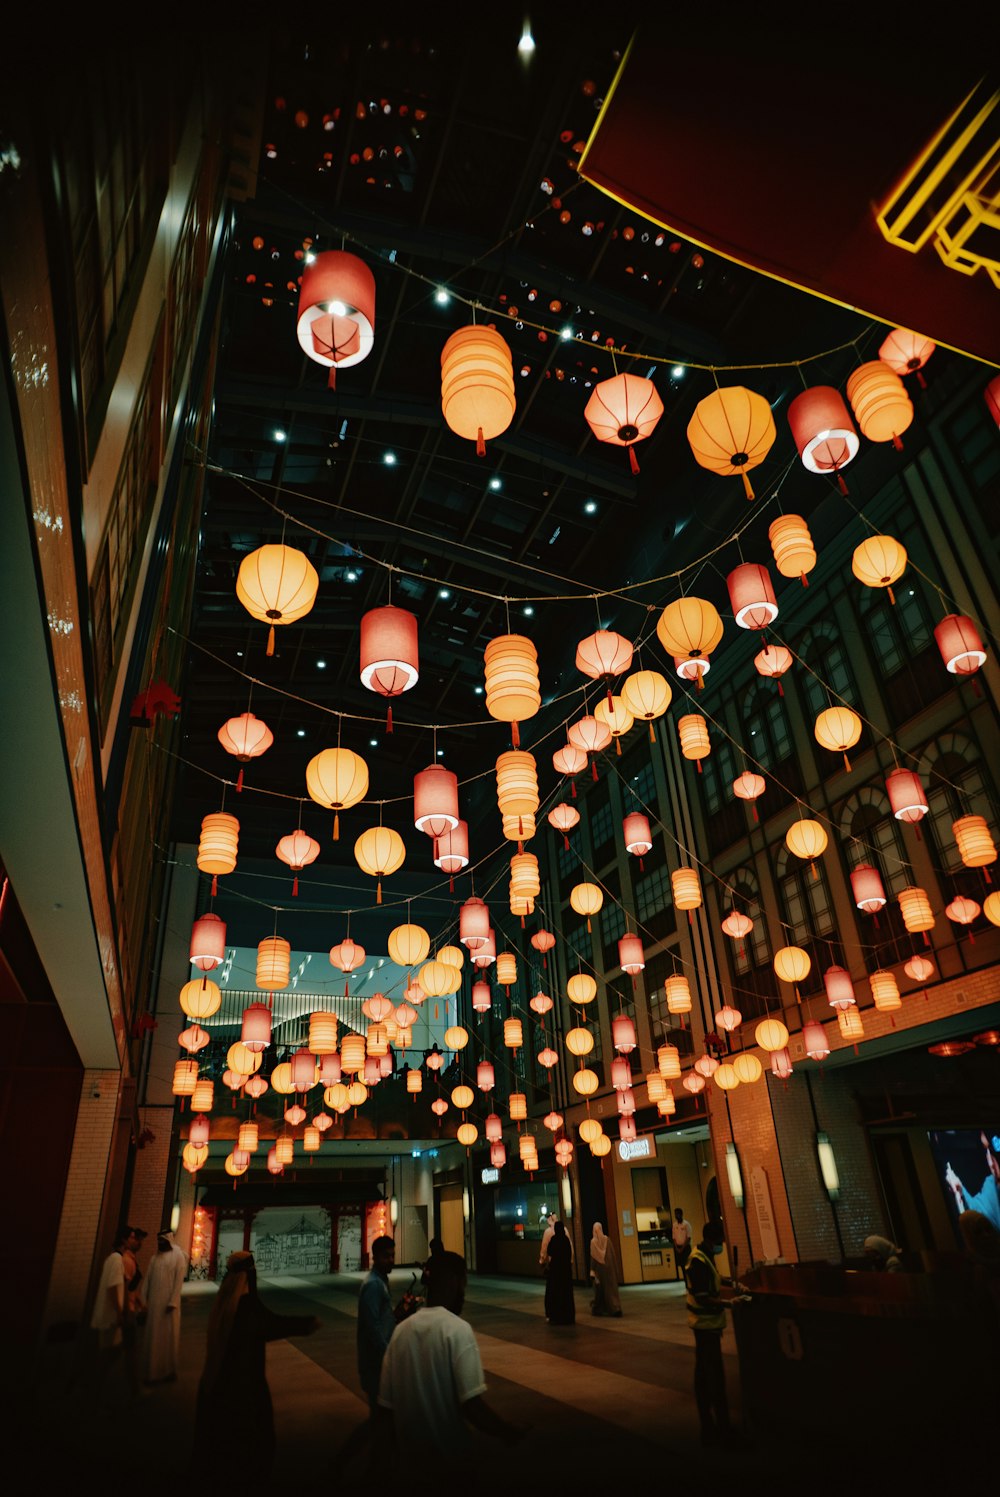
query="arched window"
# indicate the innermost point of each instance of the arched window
(900, 637)
(824, 652)
(871, 834)
(718, 773)
(754, 950)
(957, 784)
(768, 739)
(807, 913)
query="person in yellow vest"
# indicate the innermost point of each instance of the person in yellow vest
(707, 1319)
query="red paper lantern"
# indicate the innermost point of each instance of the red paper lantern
(604, 655)
(960, 645)
(451, 849)
(814, 1040)
(623, 1034)
(473, 923)
(839, 987)
(390, 659)
(630, 955)
(297, 850)
(638, 837)
(435, 800)
(906, 795)
(564, 818)
(255, 1031)
(823, 431)
(992, 397)
(485, 1078)
(336, 322)
(543, 941)
(481, 997)
(624, 410)
(751, 594)
(208, 942)
(866, 885)
(749, 786)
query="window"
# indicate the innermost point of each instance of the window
(901, 640)
(766, 726)
(612, 926)
(823, 651)
(871, 834)
(642, 784)
(602, 828)
(719, 770)
(957, 786)
(567, 858)
(654, 902)
(754, 950)
(807, 913)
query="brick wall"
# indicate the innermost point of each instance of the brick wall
(151, 1200)
(80, 1221)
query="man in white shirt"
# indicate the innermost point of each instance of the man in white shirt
(432, 1376)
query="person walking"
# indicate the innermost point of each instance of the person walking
(682, 1235)
(109, 1309)
(604, 1272)
(707, 1319)
(161, 1343)
(376, 1321)
(560, 1308)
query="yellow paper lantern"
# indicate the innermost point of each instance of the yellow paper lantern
(456, 1038)
(668, 1062)
(513, 1035)
(511, 673)
(451, 956)
(274, 961)
(517, 783)
(656, 1086)
(975, 845)
(519, 828)
(525, 880)
(792, 964)
(585, 1082)
(284, 1148)
(352, 1052)
(581, 988)
(337, 778)
(463, 1096)
(322, 1032)
(357, 1093)
(731, 432)
(747, 1067)
(916, 910)
(727, 1076)
(248, 1137)
(991, 908)
(689, 628)
(506, 969)
(185, 1078)
(792, 546)
(838, 729)
(379, 852)
(467, 1134)
(589, 1130)
(376, 1041)
(203, 1096)
(879, 561)
(242, 1059)
(408, 945)
(277, 585)
(311, 1139)
(601, 1146)
(678, 992)
(586, 899)
(200, 998)
(517, 1104)
(616, 718)
(218, 844)
(477, 385)
(415, 1082)
(695, 742)
(236, 1166)
(579, 1041)
(435, 978)
(335, 1096)
(850, 1024)
(647, 695)
(806, 839)
(687, 889)
(885, 992)
(879, 401)
(193, 1157)
(281, 1079)
(771, 1034)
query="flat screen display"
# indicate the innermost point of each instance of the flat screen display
(968, 1168)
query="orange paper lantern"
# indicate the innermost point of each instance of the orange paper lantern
(731, 432)
(477, 385)
(512, 690)
(624, 410)
(881, 406)
(277, 585)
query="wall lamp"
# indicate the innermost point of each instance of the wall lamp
(734, 1175)
(828, 1165)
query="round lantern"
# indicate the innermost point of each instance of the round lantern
(604, 655)
(541, 1003)
(728, 1018)
(748, 1068)
(357, 1093)
(246, 738)
(569, 760)
(838, 729)
(792, 964)
(693, 1083)
(512, 690)
(201, 998)
(322, 1032)
(467, 1134)
(579, 1041)
(581, 988)
(960, 645)
(601, 1146)
(749, 786)
(866, 886)
(623, 1034)
(277, 585)
(630, 956)
(585, 1081)
(823, 432)
(806, 839)
(408, 945)
(906, 795)
(686, 888)
(185, 1078)
(553, 1121)
(689, 627)
(622, 411)
(792, 546)
(390, 661)
(771, 1034)
(274, 961)
(668, 1062)
(906, 352)
(451, 850)
(255, 1030)
(507, 969)
(564, 818)
(236, 1164)
(589, 734)
(406, 1017)
(435, 800)
(851, 1024)
(678, 994)
(916, 910)
(879, 562)
(379, 852)
(638, 838)
(616, 718)
(298, 850)
(218, 844)
(477, 385)
(335, 1096)
(991, 909)
(517, 1105)
(781, 1064)
(451, 956)
(203, 1096)
(295, 1115)
(336, 317)
(462, 1097)
(513, 1035)
(586, 899)
(751, 596)
(962, 911)
(772, 662)
(885, 992)
(693, 732)
(208, 942)
(814, 1040)
(727, 1077)
(731, 432)
(737, 925)
(322, 1121)
(839, 987)
(456, 1038)
(975, 845)
(474, 924)
(646, 694)
(281, 1079)
(881, 406)
(337, 778)
(548, 1057)
(920, 968)
(193, 1157)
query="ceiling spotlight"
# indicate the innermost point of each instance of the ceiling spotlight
(529, 611)
(494, 483)
(389, 458)
(479, 691)
(527, 43)
(566, 333)
(444, 593)
(301, 733)
(373, 742)
(321, 665)
(309, 257)
(590, 508)
(677, 372)
(280, 436)
(442, 297)
(351, 576)
(440, 753)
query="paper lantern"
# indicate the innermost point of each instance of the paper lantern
(686, 888)
(277, 585)
(201, 998)
(668, 1062)
(585, 1081)
(322, 1032)
(916, 910)
(960, 645)
(906, 795)
(519, 828)
(564, 818)
(255, 1029)
(581, 988)
(589, 734)
(274, 962)
(390, 659)
(274, 1164)
(379, 852)
(693, 1083)
(462, 1096)
(406, 1016)
(303, 1063)
(621, 1073)
(879, 561)
(604, 655)
(689, 628)
(336, 315)
(322, 1121)
(772, 662)
(185, 1078)
(524, 876)
(337, 778)
(962, 911)
(236, 1164)
(751, 596)
(569, 760)
(693, 669)
(589, 1130)
(335, 1096)
(792, 964)
(824, 433)
(507, 969)
(311, 1139)
(806, 839)
(451, 849)
(885, 992)
(357, 1093)
(255, 1087)
(248, 1138)
(866, 886)
(748, 1068)
(647, 695)
(678, 994)
(737, 925)
(517, 1106)
(906, 352)
(526, 1146)
(467, 1134)
(656, 1086)
(586, 899)
(208, 942)
(435, 800)
(541, 1003)
(203, 1096)
(851, 1024)
(376, 1041)
(838, 729)
(975, 845)
(352, 1052)
(513, 1036)
(199, 1130)
(638, 838)
(564, 1152)
(771, 1034)
(992, 397)
(246, 738)
(486, 954)
(630, 956)
(281, 1079)
(415, 1083)
(601, 1146)
(627, 1129)
(193, 1157)
(991, 909)
(473, 923)
(284, 1148)
(727, 1077)
(218, 844)
(298, 850)
(749, 786)
(616, 718)
(814, 1040)
(781, 1064)
(511, 673)
(728, 1018)
(408, 945)
(839, 987)
(579, 1041)
(731, 432)
(693, 732)
(623, 1034)
(477, 385)
(481, 997)
(881, 406)
(498, 1156)
(456, 1038)
(485, 1079)
(548, 1057)
(294, 1115)
(622, 411)
(792, 546)
(517, 783)
(493, 1128)
(920, 968)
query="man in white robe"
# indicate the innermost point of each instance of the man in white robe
(163, 1310)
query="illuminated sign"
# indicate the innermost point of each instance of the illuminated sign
(490, 1176)
(635, 1148)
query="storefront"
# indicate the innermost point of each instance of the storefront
(646, 1180)
(511, 1213)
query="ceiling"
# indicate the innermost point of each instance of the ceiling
(451, 166)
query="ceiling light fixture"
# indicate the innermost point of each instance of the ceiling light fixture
(389, 458)
(373, 742)
(444, 593)
(301, 733)
(527, 43)
(590, 508)
(280, 436)
(479, 691)
(442, 297)
(529, 611)
(677, 372)
(566, 333)
(494, 483)
(321, 665)
(351, 576)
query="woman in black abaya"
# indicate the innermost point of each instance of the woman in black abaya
(560, 1308)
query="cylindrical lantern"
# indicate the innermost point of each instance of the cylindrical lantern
(352, 1052)
(336, 317)
(201, 998)
(414, 1081)
(621, 1073)
(199, 1131)
(693, 732)
(337, 779)
(623, 410)
(823, 432)
(678, 994)
(916, 910)
(513, 1036)
(517, 783)
(525, 879)
(284, 1148)
(975, 845)
(304, 1070)
(623, 1034)
(311, 1139)
(511, 671)
(814, 1040)
(668, 1062)
(838, 729)
(203, 1096)
(277, 585)
(408, 945)
(885, 992)
(477, 384)
(751, 596)
(792, 546)
(493, 1128)
(626, 1129)
(185, 1078)
(481, 997)
(881, 406)
(731, 432)
(647, 695)
(390, 659)
(638, 838)
(839, 987)
(906, 352)
(630, 956)
(435, 800)
(689, 627)
(218, 843)
(485, 1077)
(473, 923)
(906, 795)
(748, 1068)
(507, 969)
(792, 964)
(451, 849)
(248, 1138)
(866, 886)
(686, 888)
(781, 1064)
(879, 561)
(581, 988)
(322, 1032)
(255, 1030)
(376, 1040)
(379, 852)
(274, 962)
(851, 1024)
(960, 645)
(486, 954)
(806, 839)
(208, 942)
(517, 1104)
(771, 1034)
(656, 1086)
(498, 1155)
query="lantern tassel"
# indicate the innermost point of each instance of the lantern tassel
(847, 764)
(572, 789)
(239, 780)
(295, 887)
(593, 770)
(378, 892)
(270, 640)
(388, 718)
(336, 826)
(699, 679)
(755, 816)
(897, 442)
(545, 961)
(451, 885)
(618, 747)
(781, 689)
(633, 461)
(746, 484)
(611, 700)
(927, 939)
(522, 923)
(347, 987)
(642, 866)
(803, 579)
(565, 842)
(697, 764)
(215, 884)
(480, 444)
(842, 486)
(331, 382)
(690, 918)
(892, 596)
(652, 732)
(515, 735)
(815, 870)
